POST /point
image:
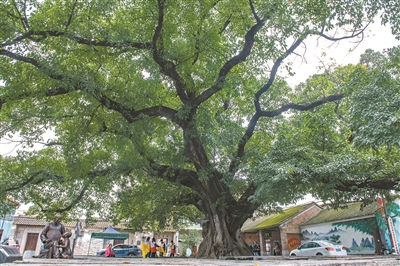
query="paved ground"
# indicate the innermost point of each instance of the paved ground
(257, 261)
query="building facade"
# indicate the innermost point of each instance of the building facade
(27, 231)
(361, 229)
(281, 229)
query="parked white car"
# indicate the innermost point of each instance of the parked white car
(319, 248)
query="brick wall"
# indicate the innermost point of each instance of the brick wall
(282, 233)
(292, 228)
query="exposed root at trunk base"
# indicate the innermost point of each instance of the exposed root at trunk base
(219, 243)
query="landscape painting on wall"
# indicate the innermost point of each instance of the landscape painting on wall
(356, 242)
(357, 235)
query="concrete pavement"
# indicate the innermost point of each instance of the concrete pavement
(257, 261)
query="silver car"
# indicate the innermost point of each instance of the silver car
(319, 248)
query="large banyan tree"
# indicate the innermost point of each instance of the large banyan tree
(161, 110)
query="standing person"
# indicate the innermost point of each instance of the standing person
(163, 248)
(252, 250)
(147, 251)
(109, 252)
(153, 248)
(172, 248)
(257, 249)
(277, 249)
(146, 248)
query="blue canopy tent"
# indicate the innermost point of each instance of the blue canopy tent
(108, 233)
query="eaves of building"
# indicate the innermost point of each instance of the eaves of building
(352, 212)
(275, 220)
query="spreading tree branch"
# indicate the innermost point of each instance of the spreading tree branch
(381, 184)
(299, 107)
(253, 121)
(128, 113)
(167, 67)
(38, 36)
(131, 114)
(36, 178)
(22, 18)
(72, 204)
(71, 15)
(354, 34)
(260, 113)
(185, 177)
(234, 61)
(226, 24)
(91, 177)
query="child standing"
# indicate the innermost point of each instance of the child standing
(172, 249)
(153, 248)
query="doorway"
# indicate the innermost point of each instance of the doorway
(31, 241)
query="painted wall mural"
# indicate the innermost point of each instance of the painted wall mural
(355, 241)
(393, 210)
(358, 235)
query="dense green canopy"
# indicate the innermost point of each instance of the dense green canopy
(164, 111)
(348, 150)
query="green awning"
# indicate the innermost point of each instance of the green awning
(110, 233)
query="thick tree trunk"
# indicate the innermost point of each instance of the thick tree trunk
(219, 239)
(224, 213)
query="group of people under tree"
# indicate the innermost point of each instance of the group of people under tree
(150, 248)
(257, 249)
(56, 240)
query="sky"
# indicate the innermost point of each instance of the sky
(377, 37)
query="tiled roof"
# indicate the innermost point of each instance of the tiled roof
(274, 219)
(100, 225)
(32, 221)
(352, 211)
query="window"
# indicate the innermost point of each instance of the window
(313, 245)
(304, 246)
